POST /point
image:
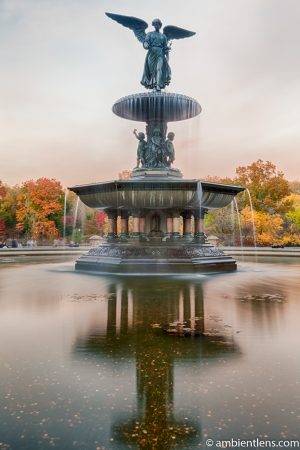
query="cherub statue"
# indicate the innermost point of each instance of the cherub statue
(169, 151)
(142, 148)
(157, 72)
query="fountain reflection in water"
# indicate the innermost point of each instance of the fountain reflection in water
(142, 328)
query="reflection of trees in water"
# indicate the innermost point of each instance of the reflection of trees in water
(133, 308)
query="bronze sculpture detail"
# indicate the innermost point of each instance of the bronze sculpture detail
(141, 150)
(155, 153)
(157, 72)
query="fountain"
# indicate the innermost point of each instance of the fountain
(155, 195)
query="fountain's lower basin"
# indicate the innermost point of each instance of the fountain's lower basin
(144, 257)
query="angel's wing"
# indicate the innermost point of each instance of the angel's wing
(138, 26)
(177, 33)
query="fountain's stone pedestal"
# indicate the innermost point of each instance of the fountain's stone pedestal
(144, 172)
(156, 224)
(155, 257)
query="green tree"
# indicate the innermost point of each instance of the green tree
(293, 215)
(221, 223)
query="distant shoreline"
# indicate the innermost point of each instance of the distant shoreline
(64, 251)
(42, 251)
(262, 251)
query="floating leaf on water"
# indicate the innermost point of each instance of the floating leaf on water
(155, 325)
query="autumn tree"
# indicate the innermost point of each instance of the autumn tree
(3, 190)
(267, 186)
(8, 204)
(72, 216)
(269, 228)
(215, 179)
(295, 187)
(221, 222)
(275, 214)
(292, 218)
(40, 206)
(294, 214)
(124, 175)
(96, 223)
(2, 229)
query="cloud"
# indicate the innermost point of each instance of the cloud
(65, 63)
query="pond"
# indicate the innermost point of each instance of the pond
(98, 362)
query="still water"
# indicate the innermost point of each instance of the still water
(94, 362)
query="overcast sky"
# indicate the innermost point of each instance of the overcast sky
(64, 64)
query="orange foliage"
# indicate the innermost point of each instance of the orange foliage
(268, 228)
(215, 179)
(267, 186)
(292, 240)
(39, 207)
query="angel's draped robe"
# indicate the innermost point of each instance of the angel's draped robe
(157, 72)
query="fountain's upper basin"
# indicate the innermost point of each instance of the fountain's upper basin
(156, 106)
(156, 194)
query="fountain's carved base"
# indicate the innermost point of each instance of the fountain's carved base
(155, 257)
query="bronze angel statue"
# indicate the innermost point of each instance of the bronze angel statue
(157, 72)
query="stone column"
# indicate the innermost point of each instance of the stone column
(187, 225)
(176, 224)
(124, 224)
(142, 227)
(199, 227)
(112, 224)
(199, 224)
(169, 225)
(136, 224)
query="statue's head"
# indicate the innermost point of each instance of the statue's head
(157, 23)
(141, 136)
(171, 135)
